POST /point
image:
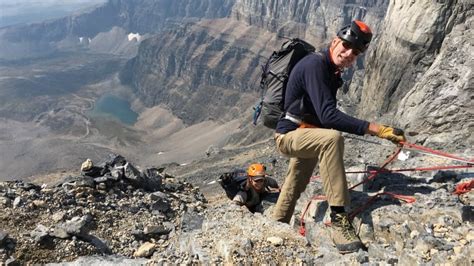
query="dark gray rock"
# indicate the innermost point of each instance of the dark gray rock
(153, 179)
(115, 160)
(133, 175)
(161, 205)
(191, 221)
(116, 174)
(173, 187)
(94, 171)
(158, 196)
(467, 213)
(78, 181)
(156, 230)
(11, 261)
(444, 176)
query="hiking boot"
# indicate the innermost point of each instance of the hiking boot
(343, 234)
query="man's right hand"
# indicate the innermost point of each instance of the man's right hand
(395, 135)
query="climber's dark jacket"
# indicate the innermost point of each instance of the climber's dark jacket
(315, 79)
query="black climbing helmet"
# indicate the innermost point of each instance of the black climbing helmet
(358, 34)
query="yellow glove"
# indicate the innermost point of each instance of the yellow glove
(395, 135)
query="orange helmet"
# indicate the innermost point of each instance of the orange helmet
(357, 33)
(256, 169)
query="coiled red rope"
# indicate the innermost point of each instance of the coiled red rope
(464, 187)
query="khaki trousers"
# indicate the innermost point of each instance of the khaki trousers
(307, 147)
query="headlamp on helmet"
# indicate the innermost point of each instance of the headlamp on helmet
(358, 34)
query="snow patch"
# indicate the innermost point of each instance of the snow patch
(135, 36)
(83, 40)
(403, 155)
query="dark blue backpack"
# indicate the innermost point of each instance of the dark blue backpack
(233, 182)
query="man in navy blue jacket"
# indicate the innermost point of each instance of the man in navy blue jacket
(310, 131)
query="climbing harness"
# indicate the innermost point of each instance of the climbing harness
(460, 188)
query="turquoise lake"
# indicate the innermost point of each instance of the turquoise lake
(118, 108)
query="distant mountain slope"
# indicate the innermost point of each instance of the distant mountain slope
(199, 61)
(27, 11)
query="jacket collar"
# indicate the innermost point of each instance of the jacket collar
(332, 67)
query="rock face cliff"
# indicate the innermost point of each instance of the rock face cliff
(420, 69)
(316, 21)
(207, 68)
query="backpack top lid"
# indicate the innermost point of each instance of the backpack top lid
(233, 182)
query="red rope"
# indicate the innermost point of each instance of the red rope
(435, 152)
(416, 169)
(302, 229)
(372, 176)
(431, 168)
(460, 189)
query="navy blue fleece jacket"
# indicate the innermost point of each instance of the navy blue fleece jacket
(314, 79)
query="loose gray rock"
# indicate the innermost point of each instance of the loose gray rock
(39, 233)
(145, 250)
(3, 237)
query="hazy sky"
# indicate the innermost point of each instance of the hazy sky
(27, 11)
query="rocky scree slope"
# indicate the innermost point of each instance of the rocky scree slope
(435, 228)
(118, 212)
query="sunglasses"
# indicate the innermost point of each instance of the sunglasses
(348, 45)
(259, 180)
